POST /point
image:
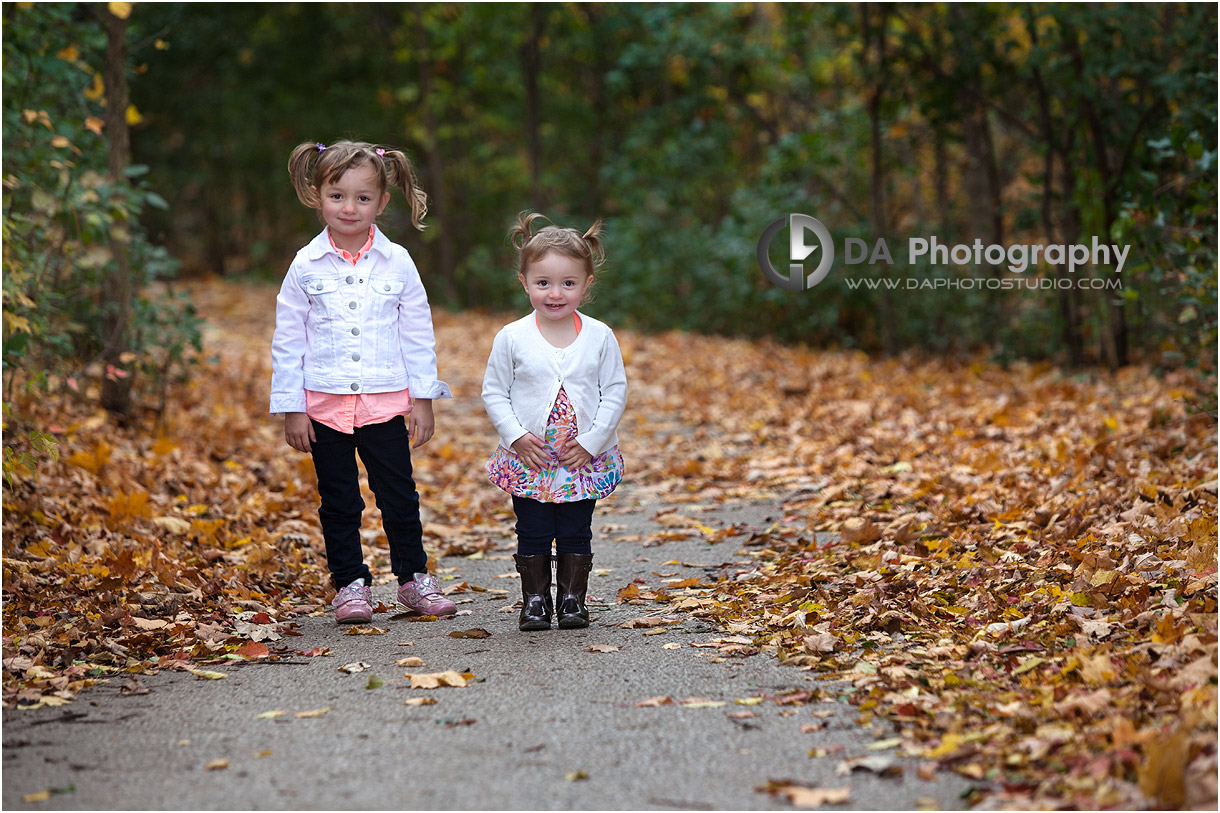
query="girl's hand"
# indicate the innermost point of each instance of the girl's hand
(420, 423)
(532, 451)
(298, 431)
(575, 457)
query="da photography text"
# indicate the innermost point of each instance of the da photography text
(1017, 258)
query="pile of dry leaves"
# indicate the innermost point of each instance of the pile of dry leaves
(1020, 579)
(1011, 572)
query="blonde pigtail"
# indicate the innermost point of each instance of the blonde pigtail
(597, 249)
(401, 174)
(523, 230)
(301, 172)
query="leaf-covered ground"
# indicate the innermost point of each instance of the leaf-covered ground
(1010, 572)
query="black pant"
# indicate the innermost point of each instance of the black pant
(569, 524)
(386, 452)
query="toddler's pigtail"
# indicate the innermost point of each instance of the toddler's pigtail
(300, 170)
(597, 249)
(523, 230)
(401, 174)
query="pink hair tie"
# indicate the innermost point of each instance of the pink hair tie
(321, 146)
(380, 151)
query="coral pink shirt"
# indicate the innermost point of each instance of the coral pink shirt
(346, 412)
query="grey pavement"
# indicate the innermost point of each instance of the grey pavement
(545, 725)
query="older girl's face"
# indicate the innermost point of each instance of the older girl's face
(351, 204)
(556, 284)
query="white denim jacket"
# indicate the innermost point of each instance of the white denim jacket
(350, 329)
(525, 372)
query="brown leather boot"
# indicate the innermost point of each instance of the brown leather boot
(536, 603)
(572, 577)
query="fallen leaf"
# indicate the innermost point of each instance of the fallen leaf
(477, 632)
(700, 703)
(878, 764)
(808, 798)
(207, 674)
(217, 765)
(433, 680)
(253, 650)
(313, 713)
(420, 701)
(602, 648)
(654, 702)
(270, 715)
(411, 661)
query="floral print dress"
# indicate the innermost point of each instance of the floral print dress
(556, 483)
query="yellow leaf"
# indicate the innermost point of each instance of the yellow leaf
(421, 701)
(60, 142)
(16, 324)
(207, 674)
(216, 764)
(748, 701)
(70, 53)
(161, 45)
(94, 460)
(882, 745)
(95, 124)
(949, 744)
(313, 713)
(98, 90)
(700, 703)
(133, 116)
(411, 661)
(120, 10)
(270, 715)
(40, 796)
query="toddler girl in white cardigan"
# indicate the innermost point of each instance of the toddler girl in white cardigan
(555, 390)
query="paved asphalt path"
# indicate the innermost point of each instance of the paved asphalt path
(547, 725)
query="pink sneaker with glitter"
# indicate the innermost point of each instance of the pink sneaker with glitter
(353, 604)
(424, 597)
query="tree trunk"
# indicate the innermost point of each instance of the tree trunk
(874, 38)
(1114, 342)
(438, 199)
(531, 64)
(944, 216)
(1071, 335)
(596, 85)
(116, 382)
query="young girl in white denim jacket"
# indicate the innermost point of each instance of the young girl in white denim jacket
(555, 390)
(354, 367)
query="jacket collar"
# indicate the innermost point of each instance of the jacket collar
(320, 246)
